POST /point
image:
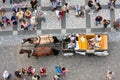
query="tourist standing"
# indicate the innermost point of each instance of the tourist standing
(106, 23)
(6, 75)
(34, 4)
(98, 20)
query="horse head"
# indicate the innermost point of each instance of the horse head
(55, 51)
(30, 40)
(22, 51)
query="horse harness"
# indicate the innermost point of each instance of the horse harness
(46, 37)
(31, 52)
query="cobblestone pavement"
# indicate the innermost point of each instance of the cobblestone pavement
(79, 67)
(69, 24)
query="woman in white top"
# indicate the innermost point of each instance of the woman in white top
(6, 75)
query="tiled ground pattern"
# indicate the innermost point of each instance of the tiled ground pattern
(69, 24)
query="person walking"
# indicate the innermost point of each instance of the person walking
(11, 1)
(106, 23)
(3, 1)
(114, 1)
(64, 70)
(6, 75)
(109, 75)
(66, 8)
(98, 20)
(34, 4)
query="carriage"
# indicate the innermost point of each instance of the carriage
(85, 44)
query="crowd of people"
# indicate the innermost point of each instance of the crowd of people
(32, 73)
(28, 18)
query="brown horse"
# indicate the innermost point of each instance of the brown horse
(40, 51)
(41, 40)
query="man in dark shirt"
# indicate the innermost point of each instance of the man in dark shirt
(34, 4)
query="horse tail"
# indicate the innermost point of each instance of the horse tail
(55, 52)
(56, 40)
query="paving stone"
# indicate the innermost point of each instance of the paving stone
(51, 22)
(73, 22)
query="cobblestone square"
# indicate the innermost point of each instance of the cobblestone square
(79, 67)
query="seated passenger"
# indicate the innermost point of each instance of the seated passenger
(72, 37)
(96, 39)
(71, 45)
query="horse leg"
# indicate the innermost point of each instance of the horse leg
(36, 57)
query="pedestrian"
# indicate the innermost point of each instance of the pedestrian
(78, 10)
(6, 75)
(98, 20)
(54, 5)
(34, 4)
(66, 8)
(64, 70)
(34, 77)
(14, 19)
(3, 1)
(109, 75)
(110, 5)
(58, 70)
(56, 77)
(18, 74)
(43, 71)
(28, 14)
(23, 6)
(30, 71)
(33, 22)
(15, 7)
(42, 15)
(116, 25)
(97, 6)
(114, 1)
(24, 71)
(7, 21)
(90, 4)
(24, 25)
(11, 1)
(106, 23)
(20, 15)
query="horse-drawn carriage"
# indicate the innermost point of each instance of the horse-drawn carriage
(86, 44)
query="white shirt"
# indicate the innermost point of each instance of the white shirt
(109, 75)
(97, 39)
(5, 75)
